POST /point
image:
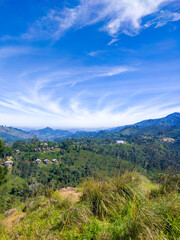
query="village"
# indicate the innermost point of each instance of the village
(43, 148)
(9, 163)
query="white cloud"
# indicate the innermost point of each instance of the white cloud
(113, 41)
(72, 76)
(41, 95)
(11, 51)
(95, 53)
(116, 16)
(83, 118)
(50, 100)
(163, 18)
(109, 72)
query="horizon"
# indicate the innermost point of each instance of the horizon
(29, 129)
(88, 64)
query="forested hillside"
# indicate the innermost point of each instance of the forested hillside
(69, 162)
(121, 182)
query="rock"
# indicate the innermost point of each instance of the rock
(29, 205)
(44, 205)
(52, 201)
(71, 189)
(68, 189)
(21, 218)
(11, 212)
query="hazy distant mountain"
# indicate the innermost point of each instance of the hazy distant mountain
(170, 120)
(12, 134)
(168, 126)
(51, 134)
(150, 126)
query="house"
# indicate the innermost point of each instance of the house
(46, 161)
(8, 144)
(38, 161)
(169, 140)
(120, 142)
(18, 151)
(8, 163)
(54, 161)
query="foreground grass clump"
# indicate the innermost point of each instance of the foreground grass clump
(127, 207)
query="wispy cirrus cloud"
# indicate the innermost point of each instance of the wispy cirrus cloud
(109, 72)
(62, 98)
(163, 18)
(78, 115)
(10, 51)
(44, 94)
(112, 41)
(73, 76)
(95, 53)
(115, 16)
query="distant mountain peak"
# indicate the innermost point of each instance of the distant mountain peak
(170, 120)
(12, 134)
(175, 114)
(47, 128)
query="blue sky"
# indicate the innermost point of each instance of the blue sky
(88, 63)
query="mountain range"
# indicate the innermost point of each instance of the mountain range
(169, 122)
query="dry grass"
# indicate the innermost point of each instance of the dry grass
(127, 207)
(10, 222)
(70, 194)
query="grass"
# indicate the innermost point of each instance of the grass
(127, 207)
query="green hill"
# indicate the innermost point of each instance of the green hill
(127, 207)
(96, 189)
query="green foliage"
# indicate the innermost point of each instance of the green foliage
(3, 174)
(101, 198)
(117, 202)
(13, 192)
(1, 146)
(170, 182)
(85, 157)
(3, 170)
(110, 209)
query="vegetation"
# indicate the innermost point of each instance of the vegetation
(3, 170)
(77, 159)
(123, 191)
(127, 206)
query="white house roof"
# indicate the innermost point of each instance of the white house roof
(37, 160)
(120, 141)
(46, 160)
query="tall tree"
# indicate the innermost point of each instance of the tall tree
(3, 170)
